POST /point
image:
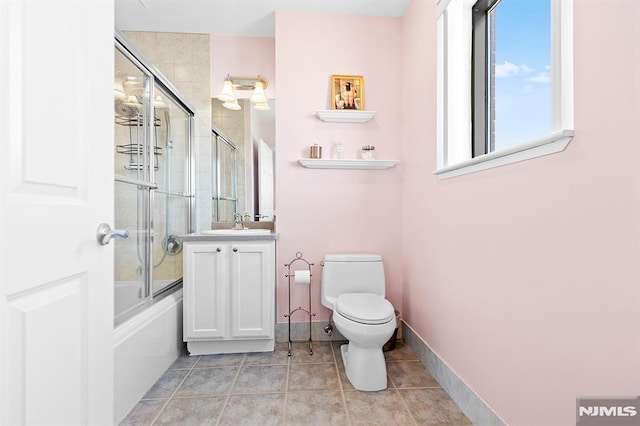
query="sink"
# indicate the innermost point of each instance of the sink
(251, 231)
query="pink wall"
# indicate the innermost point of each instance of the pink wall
(325, 211)
(524, 279)
(242, 57)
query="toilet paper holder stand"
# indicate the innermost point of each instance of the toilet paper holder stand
(289, 275)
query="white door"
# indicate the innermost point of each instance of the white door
(56, 186)
(266, 181)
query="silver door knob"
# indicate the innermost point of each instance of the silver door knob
(105, 234)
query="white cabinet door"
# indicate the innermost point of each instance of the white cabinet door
(205, 290)
(56, 162)
(252, 290)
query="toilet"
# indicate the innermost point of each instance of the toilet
(352, 286)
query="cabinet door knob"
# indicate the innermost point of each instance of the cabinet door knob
(235, 249)
(218, 249)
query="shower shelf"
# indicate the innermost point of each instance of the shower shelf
(136, 121)
(135, 150)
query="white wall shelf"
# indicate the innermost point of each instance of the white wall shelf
(345, 116)
(313, 163)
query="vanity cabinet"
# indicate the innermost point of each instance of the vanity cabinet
(229, 296)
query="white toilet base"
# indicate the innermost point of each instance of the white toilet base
(365, 367)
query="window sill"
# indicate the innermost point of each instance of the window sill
(550, 144)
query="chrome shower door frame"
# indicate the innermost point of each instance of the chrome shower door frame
(146, 181)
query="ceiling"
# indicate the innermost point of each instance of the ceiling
(254, 18)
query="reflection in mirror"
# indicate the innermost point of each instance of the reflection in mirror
(224, 184)
(242, 152)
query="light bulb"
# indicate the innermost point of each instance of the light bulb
(226, 95)
(258, 96)
(232, 105)
(262, 106)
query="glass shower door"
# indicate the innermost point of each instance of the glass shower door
(132, 187)
(171, 199)
(153, 134)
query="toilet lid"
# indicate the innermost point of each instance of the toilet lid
(365, 308)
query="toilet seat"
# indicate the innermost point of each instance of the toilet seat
(365, 308)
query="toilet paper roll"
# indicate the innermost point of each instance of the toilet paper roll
(303, 277)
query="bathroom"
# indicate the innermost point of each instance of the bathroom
(519, 278)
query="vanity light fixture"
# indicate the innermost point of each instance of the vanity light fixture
(258, 96)
(226, 95)
(232, 105)
(262, 106)
(257, 84)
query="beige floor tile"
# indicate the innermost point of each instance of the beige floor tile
(273, 388)
(278, 357)
(144, 412)
(313, 377)
(316, 408)
(321, 353)
(184, 361)
(402, 352)
(433, 406)
(221, 360)
(251, 410)
(208, 381)
(166, 385)
(261, 378)
(410, 374)
(376, 408)
(192, 411)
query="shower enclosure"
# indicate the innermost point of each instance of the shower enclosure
(225, 178)
(153, 184)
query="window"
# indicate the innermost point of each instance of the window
(504, 82)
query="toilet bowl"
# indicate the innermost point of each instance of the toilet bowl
(353, 287)
(367, 321)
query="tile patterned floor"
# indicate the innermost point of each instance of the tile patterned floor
(274, 389)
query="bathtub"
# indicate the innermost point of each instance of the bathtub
(145, 346)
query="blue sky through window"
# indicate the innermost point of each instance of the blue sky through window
(522, 71)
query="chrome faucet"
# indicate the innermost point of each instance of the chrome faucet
(239, 222)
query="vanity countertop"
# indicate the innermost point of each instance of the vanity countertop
(246, 237)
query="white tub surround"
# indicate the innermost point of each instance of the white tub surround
(145, 346)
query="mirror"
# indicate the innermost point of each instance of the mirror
(242, 153)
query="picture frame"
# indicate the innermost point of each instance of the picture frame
(347, 92)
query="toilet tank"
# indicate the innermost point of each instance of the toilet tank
(350, 273)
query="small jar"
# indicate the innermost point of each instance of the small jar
(315, 151)
(338, 151)
(367, 152)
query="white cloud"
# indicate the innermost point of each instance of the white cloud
(528, 88)
(507, 69)
(541, 78)
(526, 70)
